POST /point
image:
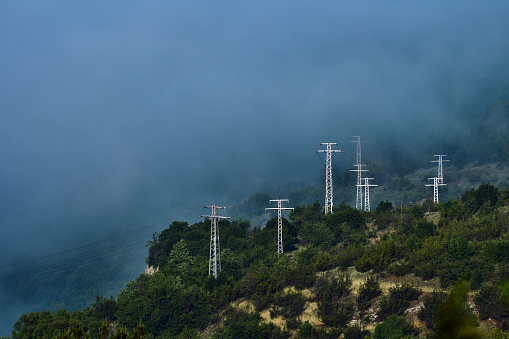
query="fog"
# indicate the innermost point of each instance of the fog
(120, 115)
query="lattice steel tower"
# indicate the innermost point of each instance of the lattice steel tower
(366, 185)
(215, 253)
(279, 221)
(359, 170)
(440, 168)
(328, 174)
(436, 183)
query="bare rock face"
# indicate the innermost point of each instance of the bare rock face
(151, 270)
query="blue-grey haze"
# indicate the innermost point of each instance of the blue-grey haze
(122, 114)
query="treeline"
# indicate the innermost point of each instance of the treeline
(464, 244)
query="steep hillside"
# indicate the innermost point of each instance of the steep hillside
(413, 270)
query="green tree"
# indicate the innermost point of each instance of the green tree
(179, 259)
(398, 300)
(455, 320)
(394, 328)
(431, 302)
(335, 305)
(367, 292)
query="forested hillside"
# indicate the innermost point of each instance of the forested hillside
(399, 271)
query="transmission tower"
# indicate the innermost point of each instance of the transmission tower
(436, 183)
(440, 168)
(215, 253)
(359, 170)
(328, 174)
(367, 185)
(279, 222)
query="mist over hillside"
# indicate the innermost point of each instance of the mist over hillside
(116, 117)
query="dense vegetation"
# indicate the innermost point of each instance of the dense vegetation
(462, 245)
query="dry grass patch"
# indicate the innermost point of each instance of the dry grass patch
(243, 305)
(311, 314)
(278, 321)
(433, 217)
(380, 234)
(426, 286)
(389, 281)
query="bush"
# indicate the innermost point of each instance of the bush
(289, 305)
(428, 313)
(335, 306)
(306, 330)
(423, 228)
(490, 303)
(394, 328)
(400, 268)
(356, 332)
(346, 257)
(398, 300)
(459, 248)
(367, 292)
(336, 312)
(454, 317)
(245, 324)
(293, 323)
(426, 270)
(377, 257)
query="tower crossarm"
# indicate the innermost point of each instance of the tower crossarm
(366, 185)
(440, 161)
(436, 184)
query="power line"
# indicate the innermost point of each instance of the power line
(76, 257)
(236, 216)
(75, 249)
(71, 264)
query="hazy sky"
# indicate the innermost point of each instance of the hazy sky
(119, 112)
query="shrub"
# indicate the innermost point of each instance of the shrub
(454, 318)
(400, 268)
(367, 292)
(245, 324)
(423, 228)
(490, 303)
(398, 300)
(394, 328)
(335, 306)
(428, 313)
(377, 257)
(293, 323)
(356, 332)
(346, 257)
(289, 305)
(306, 330)
(336, 312)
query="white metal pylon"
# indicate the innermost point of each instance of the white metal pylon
(359, 170)
(440, 167)
(279, 222)
(215, 252)
(435, 185)
(328, 175)
(367, 185)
